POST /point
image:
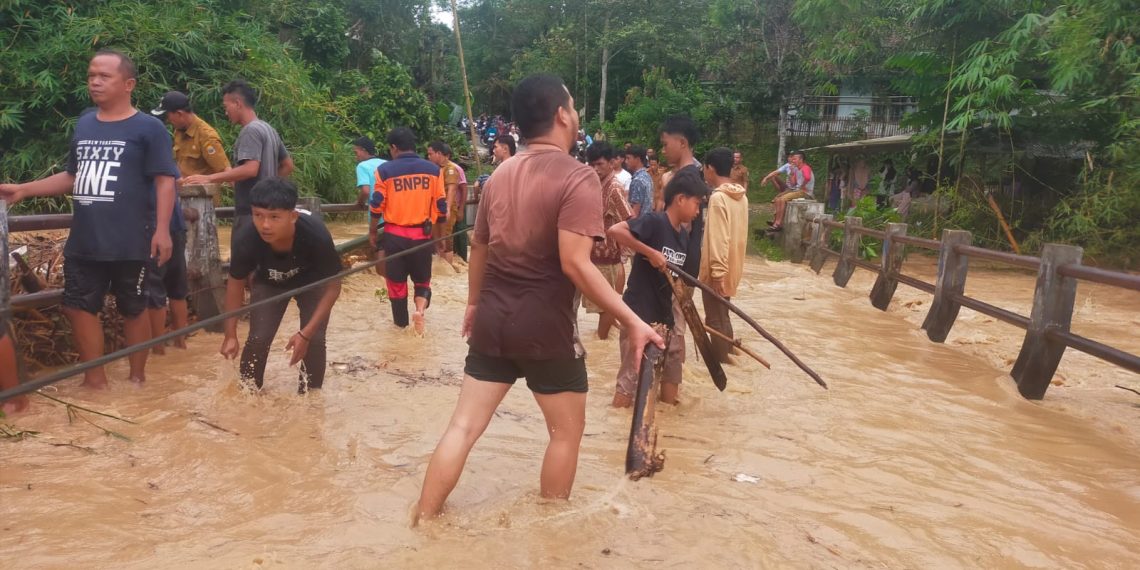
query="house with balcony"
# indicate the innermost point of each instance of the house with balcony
(853, 114)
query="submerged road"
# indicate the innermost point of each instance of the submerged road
(920, 456)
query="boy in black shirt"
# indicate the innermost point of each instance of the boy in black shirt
(283, 249)
(658, 237)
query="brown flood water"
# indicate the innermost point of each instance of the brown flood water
(920, 455)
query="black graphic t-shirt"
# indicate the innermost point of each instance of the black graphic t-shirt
(648, 292)
(115, 164)
(314, 256)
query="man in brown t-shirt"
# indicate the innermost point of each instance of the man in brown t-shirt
(537, 222)
(739, 173)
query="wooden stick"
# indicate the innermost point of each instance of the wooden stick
(738, 344)
(740, 313)
(78, 407)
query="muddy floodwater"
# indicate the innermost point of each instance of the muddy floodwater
(920, 456)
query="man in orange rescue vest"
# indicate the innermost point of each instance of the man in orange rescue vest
(409, 195)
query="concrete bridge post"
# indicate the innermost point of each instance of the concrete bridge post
(805, 212)
(952, 269)
(203, 258)
(817, 252)
(890, 263)
(310, 203)
(845, 267)
(1052, 310)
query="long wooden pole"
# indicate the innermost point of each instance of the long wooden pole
(751, 322)
(466, 89)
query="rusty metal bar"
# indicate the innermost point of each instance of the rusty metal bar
(1103, 276)
(919, 242)
(38, 299)
(1026, 261)
(916, 283)
(990, 310)
(342, 209)
(1094, 348)
(39, 222)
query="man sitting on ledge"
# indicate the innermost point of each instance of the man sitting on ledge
(800, 184)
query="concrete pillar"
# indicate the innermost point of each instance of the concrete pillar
(820, 233)
(845, 268)
(951, 280)
(310, 203)
(890, 264)
(1052, 309)
(203, 259)
(804, 211)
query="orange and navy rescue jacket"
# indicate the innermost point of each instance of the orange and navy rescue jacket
(409, 192)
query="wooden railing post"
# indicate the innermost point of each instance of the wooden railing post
(952, 270)
(817, 252)
(890, 263)
(310, 203)
(203, 259)
(845, 268)
(1052, 309)
(794, 240)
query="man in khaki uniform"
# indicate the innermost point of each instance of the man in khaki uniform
(739, 171)
(197, 146)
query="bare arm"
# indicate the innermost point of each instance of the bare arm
(160, 244)
(476, 267)
(621, 234)
(243, 171)
(285, 167)
(574, 251)
(54, 185)
(324, 309)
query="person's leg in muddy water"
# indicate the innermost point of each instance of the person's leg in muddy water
(312, 375)
(420, 271)
(674, 359)
(396, 277)
(263, 324)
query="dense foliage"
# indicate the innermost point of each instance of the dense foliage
(314, 90)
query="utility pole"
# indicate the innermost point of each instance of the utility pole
(466, 90)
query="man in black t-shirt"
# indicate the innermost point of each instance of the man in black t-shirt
(120, 172)
(658, 237)
(283, 249)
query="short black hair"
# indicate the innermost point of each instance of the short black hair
(243, 90)
(639, 152)
(599, 149)
(800, 153)
(402, 138)
(509, 141)
(535, 101)
(274, 193)
(126, 64)
(684, 126)
(685, 182)
(720, 159)
(366, 144)
(440, 147)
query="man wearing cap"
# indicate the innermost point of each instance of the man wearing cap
(197, 146)
(197, 150)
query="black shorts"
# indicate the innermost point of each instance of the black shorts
(552, 376)
(416, 265)
(168, 281)
(86, 282)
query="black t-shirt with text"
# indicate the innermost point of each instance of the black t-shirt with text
(648, 292)
(313, 257)
(115, 164)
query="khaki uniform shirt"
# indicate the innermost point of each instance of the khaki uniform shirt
(198, 149)
(740, 175)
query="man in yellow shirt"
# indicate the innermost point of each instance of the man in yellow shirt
(197, 146)
(726, 237)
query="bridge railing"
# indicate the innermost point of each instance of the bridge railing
(1047, 328)
(204, 263)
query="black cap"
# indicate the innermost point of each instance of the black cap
(172, 101)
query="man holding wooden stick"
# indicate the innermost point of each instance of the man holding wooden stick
(726, 237)
(539, 216)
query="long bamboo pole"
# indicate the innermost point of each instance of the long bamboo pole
(466, 90)
(751, 322)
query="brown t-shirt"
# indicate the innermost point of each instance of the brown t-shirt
(524, 309)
